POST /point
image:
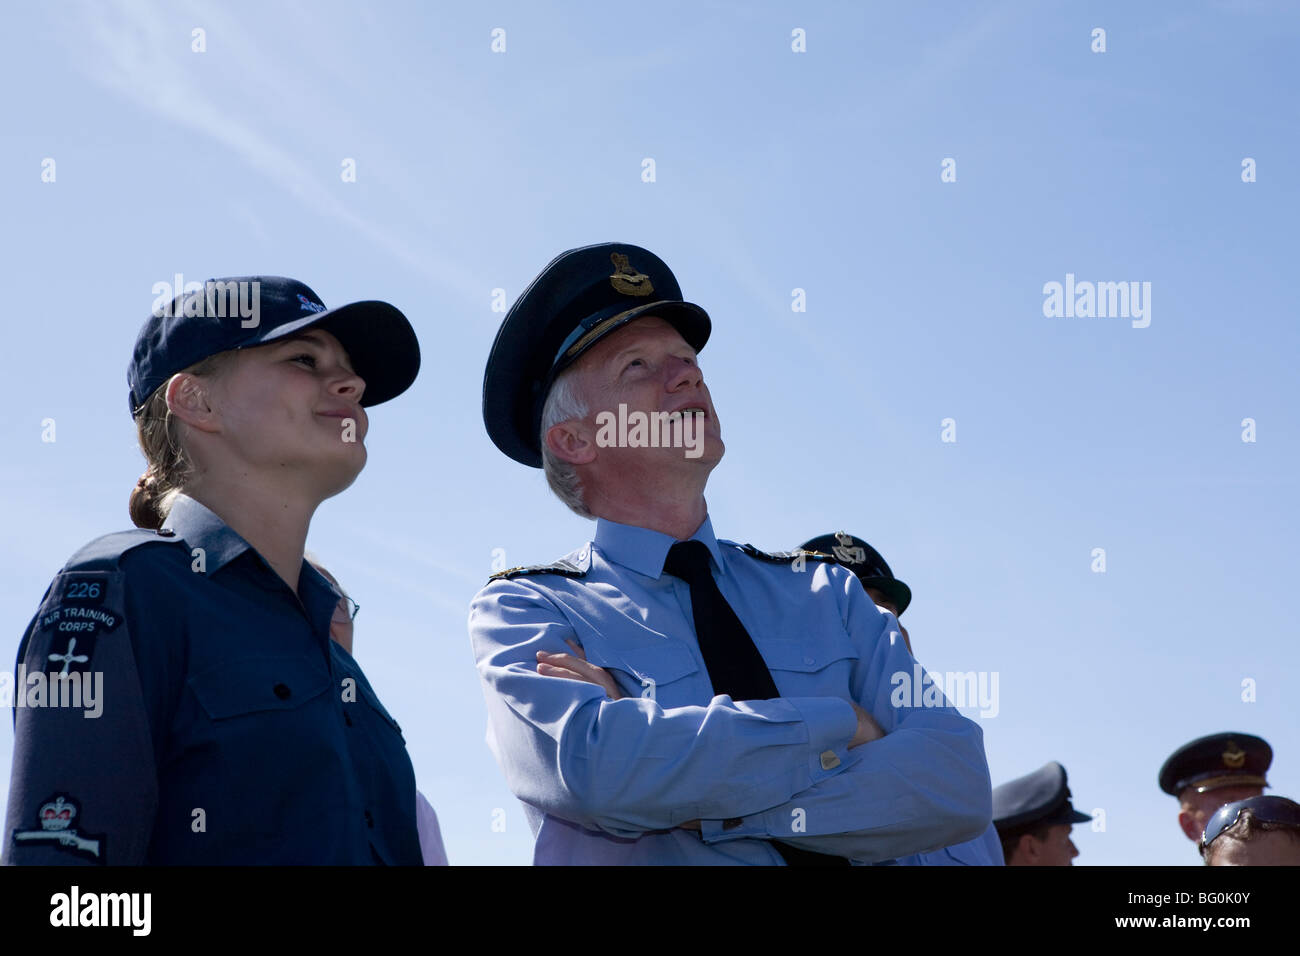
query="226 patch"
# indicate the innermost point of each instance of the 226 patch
(76, 612)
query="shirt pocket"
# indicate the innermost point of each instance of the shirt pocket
(258, 685)
(380, 712)
(811, 668)
(666, 673)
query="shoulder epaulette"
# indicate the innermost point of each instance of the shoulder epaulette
(565, 568)
(785, 557)
(104, 553)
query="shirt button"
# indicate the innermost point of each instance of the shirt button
(829, 760)
(282, 691)
(370, 821)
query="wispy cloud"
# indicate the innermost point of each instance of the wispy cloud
(133, 51)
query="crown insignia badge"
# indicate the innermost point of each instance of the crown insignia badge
(1234, 757)
(57, 814)
(627, 279)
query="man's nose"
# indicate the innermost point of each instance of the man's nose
(681, 372)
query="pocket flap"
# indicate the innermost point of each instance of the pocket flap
(658, 663)
(258, 684)
(797, 655)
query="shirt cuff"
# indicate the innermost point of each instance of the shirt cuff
(831, 723)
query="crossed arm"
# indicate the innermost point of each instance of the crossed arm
(627, 765)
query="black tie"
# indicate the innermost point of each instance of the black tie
(734, 664)
(735, 667)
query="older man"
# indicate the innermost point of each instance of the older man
(753, 721)
(1212, 771)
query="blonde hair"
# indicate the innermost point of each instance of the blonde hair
(170, 468)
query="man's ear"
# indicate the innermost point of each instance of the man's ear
(1188, 824)
(571, 442)
(188, 399)
(1030, 849)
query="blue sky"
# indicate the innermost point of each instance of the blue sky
(774, 170)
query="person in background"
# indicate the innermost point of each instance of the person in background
(892, 596)
(342, 625)
(1258, 831)
(1211, 771)
(1033, 815)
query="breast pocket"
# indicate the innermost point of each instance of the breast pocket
(666, 673)
(808, 668)
(258, 686)
(378, 711)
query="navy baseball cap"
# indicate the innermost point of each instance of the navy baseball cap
(864, 561)
(1041, 797)
(579, 298)
(247, 311)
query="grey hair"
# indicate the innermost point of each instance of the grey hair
(563, 404)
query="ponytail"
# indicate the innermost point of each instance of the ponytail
(170, 468)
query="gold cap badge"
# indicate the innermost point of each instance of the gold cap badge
(627, 279)
(1234, 756)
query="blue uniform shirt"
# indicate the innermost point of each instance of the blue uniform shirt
(230, 728)
(984, 850)
(612, 781)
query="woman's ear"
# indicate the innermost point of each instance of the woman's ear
(188, 399)
(570, 442)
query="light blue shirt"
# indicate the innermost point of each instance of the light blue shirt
(611, 781)
(984, 850)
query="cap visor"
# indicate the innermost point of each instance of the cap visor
(378, 338)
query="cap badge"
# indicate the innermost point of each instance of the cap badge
(1234, 757)
(308, 305)
(846, 552)
(627, 279)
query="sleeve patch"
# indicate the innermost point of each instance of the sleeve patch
(57, 819)
(78, 609)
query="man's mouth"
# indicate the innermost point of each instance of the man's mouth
(699, 410)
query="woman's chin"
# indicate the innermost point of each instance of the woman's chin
(339, 474)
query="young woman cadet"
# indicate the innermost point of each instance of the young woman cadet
(179, 700)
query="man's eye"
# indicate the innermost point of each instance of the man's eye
(309, 359)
